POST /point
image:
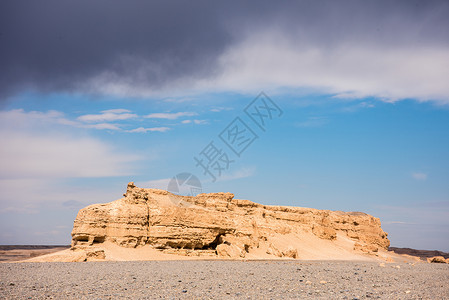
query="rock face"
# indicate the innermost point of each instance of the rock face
(214, 224)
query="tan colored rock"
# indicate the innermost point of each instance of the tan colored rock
(370, 248)
(324, 232)
(96, 254)
(279, 251)
(290, 252)
(214, 222)
(230, 251)
(437, 259)
(273, 250)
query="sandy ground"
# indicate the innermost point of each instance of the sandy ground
(224, 280)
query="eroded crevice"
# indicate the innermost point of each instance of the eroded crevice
(148, 222)
(213, 245)
(82, 238)
(98, 239)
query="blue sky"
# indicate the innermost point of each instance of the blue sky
(362, 88)
(386, 159)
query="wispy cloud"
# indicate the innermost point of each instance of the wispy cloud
(19, 118)
(152, 129)
(107, 126)
(198, 122)
(108, 115)
(180, 99)
(23, 209)
(44, 193)
(219, 109)
(30, 154)
(395, 222)
(116, 111)
(170, 116)
(36, 149)
(419, 176)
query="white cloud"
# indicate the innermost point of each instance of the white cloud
(116, 111)
(219, 109)
(152, 129)
(19, 119)
(359, 70)
(170, 116)
(108, 115)
(276, 63)
(197, 122)
(38, 194)
(33, 155)
(107, 126)
(395, 222)
(419, 176)
(180, 99)
(35, 148)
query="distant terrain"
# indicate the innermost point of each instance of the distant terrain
(21, 252)
(421, 253)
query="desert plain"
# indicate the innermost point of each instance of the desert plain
(205, 279)
(153, 244)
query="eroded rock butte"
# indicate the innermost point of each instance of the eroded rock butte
(216, 224)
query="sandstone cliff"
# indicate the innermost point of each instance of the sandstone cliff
(218, 225)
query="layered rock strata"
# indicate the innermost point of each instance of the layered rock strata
(214, 224)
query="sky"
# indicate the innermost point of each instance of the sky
(324, 104)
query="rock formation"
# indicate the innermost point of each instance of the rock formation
(438, 260)
(216, 224)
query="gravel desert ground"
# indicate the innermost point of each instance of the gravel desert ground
(224, 279)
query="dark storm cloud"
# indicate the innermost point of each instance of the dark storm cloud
(57, 45)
